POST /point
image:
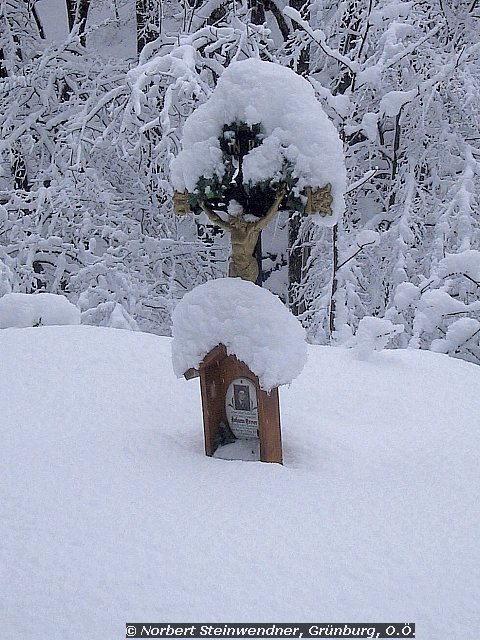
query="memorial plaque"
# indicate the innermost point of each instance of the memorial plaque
(241, 408)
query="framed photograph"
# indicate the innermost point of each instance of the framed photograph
(241, 395)
(241, 408)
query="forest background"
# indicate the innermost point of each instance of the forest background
(90, 122)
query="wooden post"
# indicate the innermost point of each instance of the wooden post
(213, 405)
(269, 426)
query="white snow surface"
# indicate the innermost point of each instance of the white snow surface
(110, 511)
(30, 310)
(252, 323)
(295, 128)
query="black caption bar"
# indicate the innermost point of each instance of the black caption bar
(271, 630)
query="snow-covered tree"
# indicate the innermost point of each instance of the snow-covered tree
(402, 82)
(83, 197)
(87, 143)
(77, 12)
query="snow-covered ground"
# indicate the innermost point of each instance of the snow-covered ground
(110, 512)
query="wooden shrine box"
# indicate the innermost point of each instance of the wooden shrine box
(232, 399)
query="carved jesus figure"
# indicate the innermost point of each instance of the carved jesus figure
(243, 236)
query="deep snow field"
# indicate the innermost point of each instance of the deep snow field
(110, 511)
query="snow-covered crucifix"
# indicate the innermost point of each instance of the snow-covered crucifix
(261, 142)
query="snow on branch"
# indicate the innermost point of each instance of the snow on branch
(361, 181)
(318, 36)
(466, 264)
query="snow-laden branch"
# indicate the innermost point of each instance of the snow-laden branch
(318, 36)
(365, 238)
(353, 186)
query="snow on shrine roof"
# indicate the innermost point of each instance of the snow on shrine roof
(294, 126)
(251, 322)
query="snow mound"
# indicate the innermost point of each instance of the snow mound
(295, 130)
(32, 310)
(251, 322)
(110, 511)
(373, 334)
